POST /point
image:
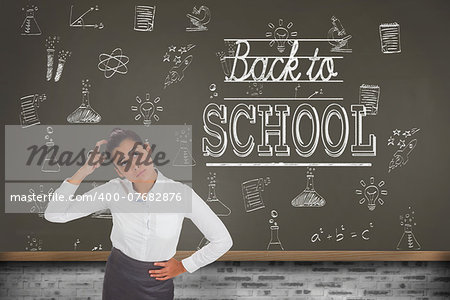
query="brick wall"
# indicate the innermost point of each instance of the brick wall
(242, 280)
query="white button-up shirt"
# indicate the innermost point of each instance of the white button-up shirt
(146, 236)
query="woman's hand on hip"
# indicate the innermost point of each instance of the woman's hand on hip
(171, 268)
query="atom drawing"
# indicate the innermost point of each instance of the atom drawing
(113, 63)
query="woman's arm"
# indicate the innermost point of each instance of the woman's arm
(63, 208)
(213, 229)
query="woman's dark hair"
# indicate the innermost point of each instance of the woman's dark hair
(116, 137)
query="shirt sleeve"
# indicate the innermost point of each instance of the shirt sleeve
(214, 231)
(63, 207)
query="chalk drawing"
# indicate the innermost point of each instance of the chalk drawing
(147, 110)
(29, 25)
(390, 38)
(28, 109)
(371, 193)
(113, 63)
(84, 113)
(217, 206)
(252, 193)
(339, 234)
(408, 240)
(184, 157)
(309, 197)
(79, 22)
(199, 18)
(280, 35)
(338, 37)
(144, 17)
(275, 243)
(405, 143)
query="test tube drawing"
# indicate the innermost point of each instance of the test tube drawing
(390, 38)
(63, 55)
(274, 243)
(50, 44)
(369, 96)
(144, 17)
(28, 109)
(252, 193)
(29, 25)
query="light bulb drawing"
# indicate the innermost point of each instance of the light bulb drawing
(372, 193)
(147, 109)
(280, 35)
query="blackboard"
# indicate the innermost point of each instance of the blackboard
(342, 145)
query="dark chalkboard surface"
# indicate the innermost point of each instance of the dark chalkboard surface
(316, 125)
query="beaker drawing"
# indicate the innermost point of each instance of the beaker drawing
(309, 197)
(84, 113)
(183, 157)
(274, 243)
(214, 203)
(408, 241)
(29, 25)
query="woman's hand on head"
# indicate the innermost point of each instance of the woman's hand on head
(94, 159)
(89, 167)
(171, 268)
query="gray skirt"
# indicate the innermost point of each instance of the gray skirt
(128, 278)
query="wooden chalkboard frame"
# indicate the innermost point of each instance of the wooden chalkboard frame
(244, 256)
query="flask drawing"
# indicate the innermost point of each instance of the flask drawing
(84, 113)
(29, 25)
(49, 165)
(183, 157)
(408, 241)
(214, 203)
(309, 197)
(275, 243)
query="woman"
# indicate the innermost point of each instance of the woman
(141, 263)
